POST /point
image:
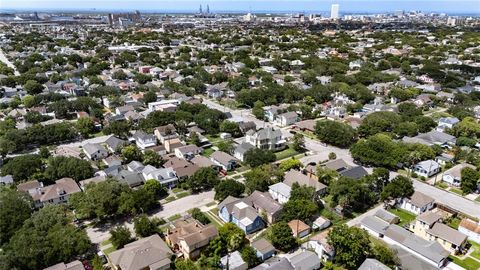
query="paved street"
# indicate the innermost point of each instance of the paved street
(101, 233)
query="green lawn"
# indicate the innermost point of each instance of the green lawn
(106, 242)
(405, 216)
(211, 204)
(457, 191)
(467, 263)
(441, 185)
(207, 152)
(174, 217)
(183, 194)
(109, 250)
(453, 223)
(476, 252)
(213, 220)
(477, 199)
(170, 199)
(288, 152)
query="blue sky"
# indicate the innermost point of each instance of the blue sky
(449, 6)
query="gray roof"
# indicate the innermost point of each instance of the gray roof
(242, 211)
(375, 224)
(372, 264)
(429, 217)
(243, 147)
(91, 148)
(456, 171)
(431, 138)
(222, 157)
(429, 249)
(449, 234)
(294, 176)
(263, 201)
(132, 179)
(420, 200)
(263, 246)
(336, 164)
(356, 172)
(281, 188)
(233, 260)
(305, 260)
(385, 215)
(265, 133)
(75, 265)
(275, 263)
(140, 135)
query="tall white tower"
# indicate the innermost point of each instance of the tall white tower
(334, 11)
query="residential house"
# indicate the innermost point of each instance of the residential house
(263, 248)
(304, 260)
(427, 168)
(172, 144)
(203, 162)
(112, 160)
(241, 149)
(114, 144)
(294, 176)
(147, 253)
(355, 172)
(453, 176)
(373, 264)
(280, 192)
(321, 223)
(166, 132)
(299, 228)
(224, 160)
(306, 125)
(188, 151)
(471, 229)
(144, 140)
(417, 203)
(246, 126)
(53, 194)
(286, 119)
(429, 251)
(75, 265)
(135, 166)
(6, 180)
(275, 263)
(166, 176)
(95, 151)
(319, 244)
(265, 205)
(132, 179)
(337, 165)
(387, 216)
(271, 112)
(374, 226)
(233, 261)
(189, 237)
(266, 138)
(429, 226)
(241, 214)
(446, 123)
(432, 138)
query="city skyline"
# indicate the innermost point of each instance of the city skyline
(347, 6)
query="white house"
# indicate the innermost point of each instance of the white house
(445, 123)
(266, 138)
(241, 149)
(95, 151)
(280, 192)
(286, 119)
(471, 229)
(166, 176)
(417, 203)
(144, 140)
(188, 151)
(427, 168)
(453, 176)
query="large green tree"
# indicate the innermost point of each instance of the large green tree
(335, 133)
(281, 236)
(227, 188)
(15, 208)
(352, 245)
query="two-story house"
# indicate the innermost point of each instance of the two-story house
(95, 151)
(166, 132)
(144, 140)
(429, 226)
(266, 138)
(53, 194)
(165, 176)
(417, 203)
(241, 214)
(286, 119)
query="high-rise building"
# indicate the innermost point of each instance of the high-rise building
(200, 11)
(208, 9)
(334, 11)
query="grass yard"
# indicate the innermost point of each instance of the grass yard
(477, 199)
(441, 185)
(288, 152)
(174, 217)
(207, 152)
(405, 216)
(109, 250)
(467, 263)
(476, 250)
(453, 223)
(213, 220)
(183, 194)
(106, 242)
(457, 191)
(170, 199)
(211, 204)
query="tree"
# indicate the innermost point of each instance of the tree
(120, 236)
(97, 263)
(378, 122)
(469, 180)
(85, 126)
(468, 127)
(131, 153)
(258, 110)
(203, 179)
(142, 78)
(119, 75)
(150, 96)
(302, 209)
(379, 150)
(195, 139)
(117, 128)
(406, 129)
(154, 187)
(249, 255)
(351, 194)
(230, 127)
(185, 265)
(385, 255)
(255, 157)
(33, 87)
(227, 188)
(332, 156)
(22, 167)
(352, 245)
(137, 201)
(289, 164)
(281, 236)
(303, 192)
(226, 146)
(399, 187)
(151, 157)
(298, 143)
(335, 133)
(200, 216)
(15, 208)
(259, 178)
(144, 226)
(232, 236)
(60, 167)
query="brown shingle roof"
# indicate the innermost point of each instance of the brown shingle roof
(298, 226)
(449, 234)
(470, 225)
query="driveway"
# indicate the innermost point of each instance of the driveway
(100, 233)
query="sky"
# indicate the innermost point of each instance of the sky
(355, 6)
